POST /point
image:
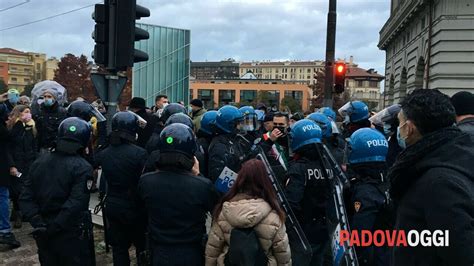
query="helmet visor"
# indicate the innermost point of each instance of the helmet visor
(386, 114)
(100, 117)
(140, 121)
(346, 109)
(249, 123)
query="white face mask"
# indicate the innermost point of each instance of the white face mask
(164, 105)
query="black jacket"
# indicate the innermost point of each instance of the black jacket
(152, 144)
(4, 157)
(56, 189)
(122, 166)
(177, 203)
(366, 208)
(307, 193)
(144, 134)
(203, 146)
(433, 188)
(47, 123)
(22, 148)
(224, 150)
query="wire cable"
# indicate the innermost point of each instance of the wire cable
(46, 18)
(13, 6)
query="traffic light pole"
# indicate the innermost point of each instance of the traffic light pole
(330, 54)
(109, 87)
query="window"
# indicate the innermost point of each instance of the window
(274, 98)
(207, 98)
(308, 77)
(373, 84)
(27, 80)
(308, 70)
(38, 66)
(247, 96)
(226, 97)
(191, 94)
(13, 79)
(360, 83)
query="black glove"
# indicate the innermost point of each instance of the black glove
(40, 233)
(37, 221)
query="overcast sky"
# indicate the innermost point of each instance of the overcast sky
(220, 29)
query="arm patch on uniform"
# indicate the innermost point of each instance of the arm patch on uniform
(357, 205)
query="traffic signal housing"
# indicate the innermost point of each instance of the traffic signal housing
(126, 14)
(339, 77)
(101, 33)
(115, 34)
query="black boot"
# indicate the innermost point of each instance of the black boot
(18, 220)
(13, 215)
(9, 239)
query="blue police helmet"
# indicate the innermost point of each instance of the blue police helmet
(247, 111)
(125, 122)
(178, 138)
(367, 145)
(180, 118)
(227, 118)
(327, 111)
(304, 132)
(360, 111)
(207, 122)
(76, 130)
(260, 115)
(323, 122)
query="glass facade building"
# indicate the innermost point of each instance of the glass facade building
(167, 69)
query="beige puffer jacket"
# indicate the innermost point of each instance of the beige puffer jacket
(245, 212)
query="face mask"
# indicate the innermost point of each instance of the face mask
(164, 105)
(13, 98)
(26, 117)
(387, 129)
(400, 139)
(283, 130)
(48, 102)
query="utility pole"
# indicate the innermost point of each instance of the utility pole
(330, 51)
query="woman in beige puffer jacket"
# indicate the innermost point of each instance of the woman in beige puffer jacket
(251, 202)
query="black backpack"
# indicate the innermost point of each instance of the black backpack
(245, 249)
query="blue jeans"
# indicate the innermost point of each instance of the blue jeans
(4, 211)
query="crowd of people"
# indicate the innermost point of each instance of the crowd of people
(168, 169)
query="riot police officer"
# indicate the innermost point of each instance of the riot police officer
(181, 118)
(250, 126)
(326, 127)
(204, 138)
(307, 190)
(356, 115)
(388, 119)
(368, 151)
(55, 199)
(170, 109)
(224, 150)
(177, 200)
(122, 163)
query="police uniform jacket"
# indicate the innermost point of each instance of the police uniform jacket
(176, 202)
(56, 190)
(307, 194)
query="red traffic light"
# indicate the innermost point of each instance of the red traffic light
(341, 68)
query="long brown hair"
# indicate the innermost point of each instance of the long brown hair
(253, 180)
(15, 114)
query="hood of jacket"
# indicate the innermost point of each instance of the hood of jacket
(245, 212)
